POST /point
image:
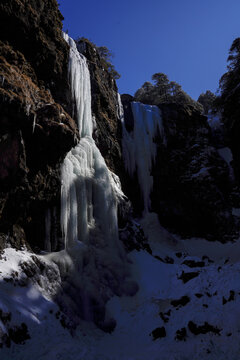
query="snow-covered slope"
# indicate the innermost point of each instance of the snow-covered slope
(188, 306)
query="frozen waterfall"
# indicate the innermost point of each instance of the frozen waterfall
(89, 203)
(139, 147)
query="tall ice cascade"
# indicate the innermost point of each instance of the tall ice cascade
(89, 202)
(93, 265)
(139, 146)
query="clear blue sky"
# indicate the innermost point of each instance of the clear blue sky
(186, 39)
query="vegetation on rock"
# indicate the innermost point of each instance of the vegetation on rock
(164, 91)
(207, 100)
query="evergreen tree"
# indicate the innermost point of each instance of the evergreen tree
(207, 100)
(231, 79)
(107, 56)
(164, 91)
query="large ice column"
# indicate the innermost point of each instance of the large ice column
(80, 87)
(139, 146)
(89, 202)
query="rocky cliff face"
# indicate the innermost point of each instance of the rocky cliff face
(231, 115)
(192, 183)
(35, 130)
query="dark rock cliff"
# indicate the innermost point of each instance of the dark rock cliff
(35, 129)
(231, 120)
(193, 188)
(192, 183)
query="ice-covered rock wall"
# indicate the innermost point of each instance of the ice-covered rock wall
(139, 146)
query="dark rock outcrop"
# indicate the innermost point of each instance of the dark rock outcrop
(34, 28)
(192, 184)
(231, 116)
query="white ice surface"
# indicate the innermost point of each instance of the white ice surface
(139, 146)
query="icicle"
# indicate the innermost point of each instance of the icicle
(139, 147)
(80, 87)
(28, 107)
(34, 122)
(47, 245)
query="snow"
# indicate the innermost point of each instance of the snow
(138, 316)
(226, 154)
(214, 121)
(236, 211)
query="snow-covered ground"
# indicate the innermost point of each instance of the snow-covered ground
(188, 306)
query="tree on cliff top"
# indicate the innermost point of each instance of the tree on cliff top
(164, 91)
(229, 90)
(231, 79)
(207, 100)
(107, 56)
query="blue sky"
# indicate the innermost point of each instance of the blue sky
(186, 39)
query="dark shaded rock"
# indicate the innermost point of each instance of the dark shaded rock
(191, 180)
(35, 130)
(133, 237)
(230, 109)
(166, 260)
(128, 114)
(184, 300)
(181, 334)
(193, 263)
(19, 334)
(5, 317)
(178, 254)
(34, 28)
(203, 329)
(185, 277)
(165, 316)
(230, 298)
(158, 333)
(205, 257)
(198, 295)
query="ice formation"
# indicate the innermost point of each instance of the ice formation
(139, 147)
(89, 203)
